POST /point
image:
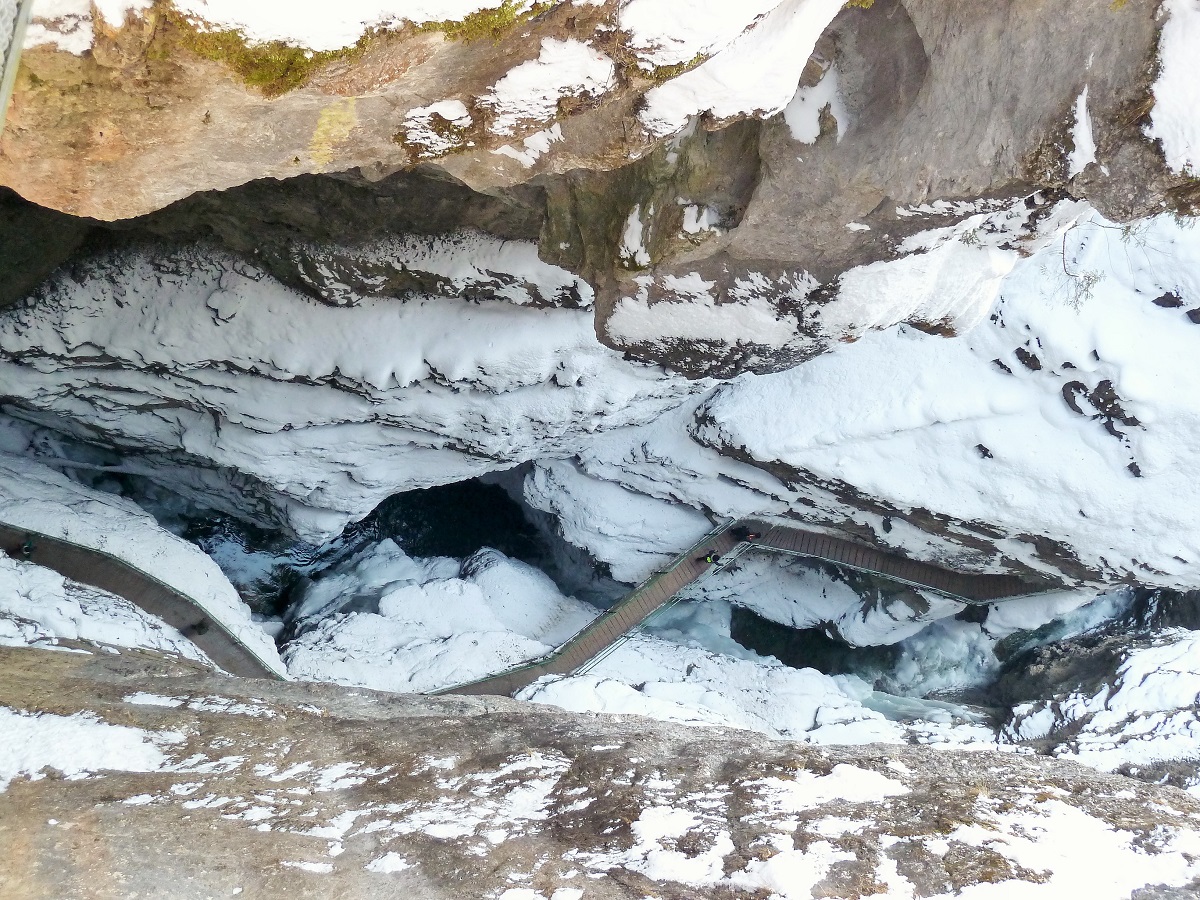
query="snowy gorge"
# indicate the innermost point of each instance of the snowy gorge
(432, 348)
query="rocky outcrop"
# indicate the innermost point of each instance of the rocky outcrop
(414, 313)
(220, 786)
(1118, 699)
(161, 106)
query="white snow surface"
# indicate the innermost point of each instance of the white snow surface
(948, 276)
(1080, 854)
(388, 621)
(39, 608)
(63, 24)
(694, 314)
(423, 129)
(757, 72)
(801, 595)
(1173, 119)
(1083, 154)
(651, 677)
(75, 746)
(529, 93)
(670, 32)
(803, 113)
(330, 408)
(461, 264)
(633, 245)
(535, 147)
(635, 534)
(35, 497)
(901, 414)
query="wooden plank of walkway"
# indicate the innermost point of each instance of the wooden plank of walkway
(975, 588)
(685, 569)
(102, 570)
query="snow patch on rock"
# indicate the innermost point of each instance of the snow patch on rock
(803, 114)
(241, 391)
(1173, 119)
(648, 676)
(635, 534)
(1146, 715)
(40, 608)
(529, 93)
(1075, 395)
(76, 746)
(670, 32)
(757, 72)
(1083, 153)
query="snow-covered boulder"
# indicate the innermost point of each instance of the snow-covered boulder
(388, 621)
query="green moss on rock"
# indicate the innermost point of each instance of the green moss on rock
(273, 68)
(491, 23)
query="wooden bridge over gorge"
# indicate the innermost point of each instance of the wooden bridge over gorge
(90, 566)
(728, 542)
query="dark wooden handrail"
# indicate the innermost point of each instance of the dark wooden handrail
(90, 566)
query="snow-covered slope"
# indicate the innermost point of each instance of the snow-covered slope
(1143, 719)
(1054, 433)
(1177, 90)
(647, 676)
(40, 608)
(1067, 414)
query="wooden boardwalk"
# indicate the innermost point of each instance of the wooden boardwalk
(99, 569)
(660, 589)
(959, 585)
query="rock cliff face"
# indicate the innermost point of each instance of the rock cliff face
(134, 772)
(924, 274)
(939, 254)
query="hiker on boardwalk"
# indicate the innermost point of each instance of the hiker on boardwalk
(25, 551)
(742, 534)
(709, 558)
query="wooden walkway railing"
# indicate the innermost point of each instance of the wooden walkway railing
(599, 637)
(95, 567)
(90, 566)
